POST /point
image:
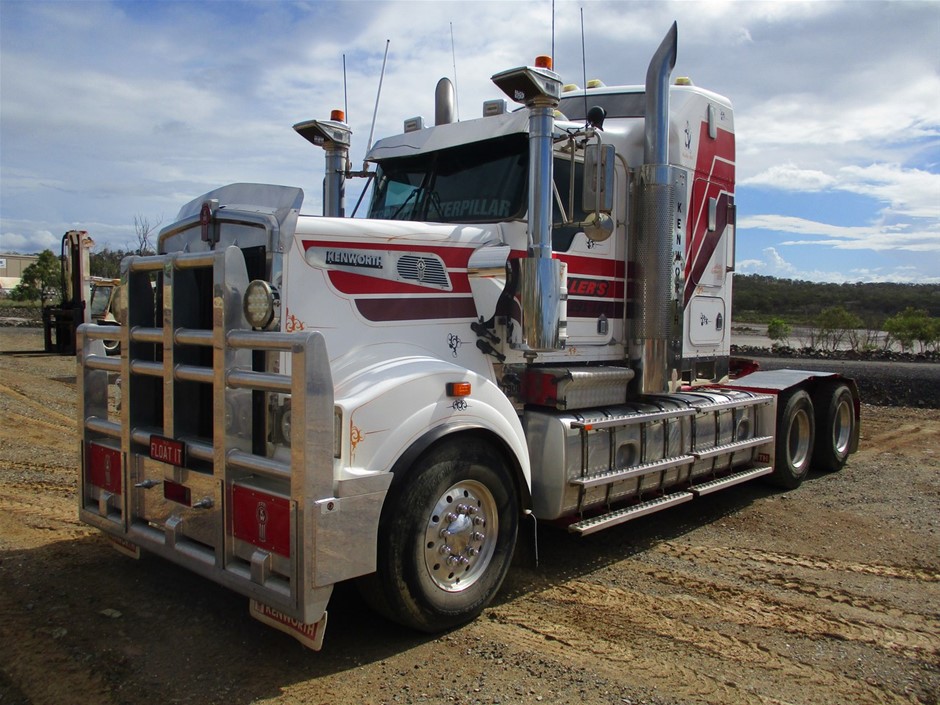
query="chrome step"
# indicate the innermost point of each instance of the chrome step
(755, 400)
(730, 480)
(630, 419)
(604, 521)
(728, 448)
(611, 476)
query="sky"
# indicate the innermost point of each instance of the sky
(116, 110)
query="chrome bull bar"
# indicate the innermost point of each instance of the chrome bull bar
(166, 365)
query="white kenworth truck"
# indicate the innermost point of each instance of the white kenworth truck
(534, 320)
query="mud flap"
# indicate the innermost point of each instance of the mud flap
(123, 546)
(310, 635)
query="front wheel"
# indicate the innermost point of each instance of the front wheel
(835, 429)
(446, 537)
(796, 430)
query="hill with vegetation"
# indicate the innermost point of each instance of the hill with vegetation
(759, 298)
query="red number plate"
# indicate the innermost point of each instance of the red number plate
(167, 450)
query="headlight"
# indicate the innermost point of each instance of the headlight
(283, 423)
(262, 305)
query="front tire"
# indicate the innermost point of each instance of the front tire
(446, 537)
(835, 427)
(796, 430)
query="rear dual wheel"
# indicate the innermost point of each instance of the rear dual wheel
(796, 431)
(817, 432)
(835, 426)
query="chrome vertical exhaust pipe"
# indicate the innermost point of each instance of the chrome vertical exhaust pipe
(654, 340)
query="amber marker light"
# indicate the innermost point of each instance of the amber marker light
(458, 389)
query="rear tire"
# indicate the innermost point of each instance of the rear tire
(835, 427)
(446, 537)
(796, 429)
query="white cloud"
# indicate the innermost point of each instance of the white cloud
(878, 237)
(910, 192)
(791, 178)
(36, 241)
(775, 265)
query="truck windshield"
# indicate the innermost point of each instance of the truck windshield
(481, 182)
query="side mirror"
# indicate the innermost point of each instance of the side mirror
(598, 195)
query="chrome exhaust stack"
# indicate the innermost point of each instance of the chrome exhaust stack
(334, 136)
(656, 349)
(542, 279)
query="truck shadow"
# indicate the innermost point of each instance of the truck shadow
(563, 555)
(151, 628)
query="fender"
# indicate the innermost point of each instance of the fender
(394, 409)
(777, 381)
(408, 458)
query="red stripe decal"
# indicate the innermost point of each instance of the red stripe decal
(714, 178)
(420, 308)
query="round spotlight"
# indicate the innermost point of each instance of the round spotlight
(262, 305)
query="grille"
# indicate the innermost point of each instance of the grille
(424, 270)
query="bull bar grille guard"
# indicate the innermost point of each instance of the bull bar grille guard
(301, 588)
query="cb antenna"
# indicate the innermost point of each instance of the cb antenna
(583, 65)
(345, 94)
(453, 55)
(376, 111)
(553, 35)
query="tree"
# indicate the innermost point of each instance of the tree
(833, 325)
(43, 275)
(107, 263)
(778, 330)
(144, 231)
(912, 324)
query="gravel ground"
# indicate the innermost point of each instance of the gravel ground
(826, 594)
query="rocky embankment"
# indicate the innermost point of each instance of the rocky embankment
(20, 317)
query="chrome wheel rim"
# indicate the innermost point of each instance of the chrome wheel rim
(798, 440)
(842, 428)
(461, 536)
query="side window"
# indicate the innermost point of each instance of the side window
(100, 295)
(563, 236)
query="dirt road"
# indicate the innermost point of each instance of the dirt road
(828, 594)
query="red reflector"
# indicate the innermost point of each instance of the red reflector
(543, 62)
(205, 219)
(458, 389)
(103, 467)
(176, 492)
(541, 388)
(167, 450)
(261, 519)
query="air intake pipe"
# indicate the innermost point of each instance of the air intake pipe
(542, 278)
(334, 136)
(655, 345)
(445, 100)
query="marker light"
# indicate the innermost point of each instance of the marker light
(458, 389)
(262, 305)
